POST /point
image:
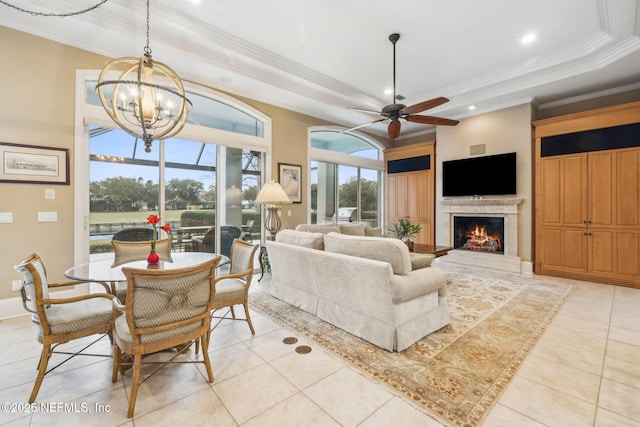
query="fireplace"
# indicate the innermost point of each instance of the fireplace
(479, 234)
(483, 232)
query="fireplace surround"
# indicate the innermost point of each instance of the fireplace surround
(502, 210)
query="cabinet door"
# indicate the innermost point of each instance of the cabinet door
(564, 249)
(564, 184)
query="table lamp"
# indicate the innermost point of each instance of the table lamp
(272, 195)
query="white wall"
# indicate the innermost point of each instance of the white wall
(500, 131)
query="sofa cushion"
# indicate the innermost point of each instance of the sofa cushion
(353, 229)
(383, 249)
(301, 238)
(373, 232)
(318, 228)
(421, 260)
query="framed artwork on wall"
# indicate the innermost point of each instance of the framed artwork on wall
(33, 164)
(289, 177)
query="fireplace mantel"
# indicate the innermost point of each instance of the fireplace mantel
(502, 207)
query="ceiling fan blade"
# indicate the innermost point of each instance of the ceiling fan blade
(394, 129)
(365, 111)
(430, 120)
(361, 126)
(422, 106)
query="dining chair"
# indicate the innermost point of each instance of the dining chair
(133, 234)
(247, 231)
(165, 309)
(126, 251)
(61, 320)
(233, 288)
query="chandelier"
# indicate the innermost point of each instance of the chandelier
(147, 99)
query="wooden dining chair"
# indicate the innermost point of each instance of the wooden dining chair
(165, 309)
(126, 251)
(233, 288)
(61, 320)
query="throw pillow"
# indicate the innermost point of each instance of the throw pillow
(374, 232)
(355, 229)
(301, 238)
(421, 260)
(318, 228)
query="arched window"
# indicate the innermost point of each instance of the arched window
(345, 177)
(207, 176)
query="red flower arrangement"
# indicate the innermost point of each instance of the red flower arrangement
(154, 220)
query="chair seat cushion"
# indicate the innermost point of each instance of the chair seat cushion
(121, 329)
(229, 289)
(79, 315)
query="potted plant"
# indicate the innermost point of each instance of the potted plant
(404, 230)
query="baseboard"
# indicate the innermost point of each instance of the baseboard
(11, 307)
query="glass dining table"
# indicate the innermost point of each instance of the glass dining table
(104, 271)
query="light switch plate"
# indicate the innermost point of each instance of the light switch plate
(47, 216)
(15, 285)
(49, 194)
(6, 217)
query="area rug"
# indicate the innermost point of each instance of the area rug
(458, 372)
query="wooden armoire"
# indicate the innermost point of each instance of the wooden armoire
(587, 195)
(410, 187)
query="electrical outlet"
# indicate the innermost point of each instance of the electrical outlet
(16, 285)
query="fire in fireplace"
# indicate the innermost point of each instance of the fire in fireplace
(480, 234)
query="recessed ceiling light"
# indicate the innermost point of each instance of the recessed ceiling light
(528, 38)
(388, 91)
(471, 107)
(196, 1)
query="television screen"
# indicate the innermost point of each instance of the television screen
(480, 176)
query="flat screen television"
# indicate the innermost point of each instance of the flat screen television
(480, 176)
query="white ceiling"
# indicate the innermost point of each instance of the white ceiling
(321, 57)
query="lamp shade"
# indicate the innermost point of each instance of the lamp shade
(272, 194)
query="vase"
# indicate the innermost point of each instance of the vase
(153, 258)
(410, 244)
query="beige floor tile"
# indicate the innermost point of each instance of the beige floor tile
(546, 405)
(620, 398)
(584, 338)
(501, 416)
(159, 390)
(253, 392)
(107, 407)
(559, 352)
(398, 413)
(625, 335)
(348, 397)
(269, 346)
(202, 408)
(606, 418)
(304, 370)
(24, 421)
(622, 371)
(623, 351)
(296, 411)
(231, 361)
(563, 378)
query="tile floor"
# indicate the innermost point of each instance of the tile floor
(584, 371)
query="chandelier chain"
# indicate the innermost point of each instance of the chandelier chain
(147, 49)
(58, 15)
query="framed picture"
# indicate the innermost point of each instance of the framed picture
(34, 164)
(290, 179)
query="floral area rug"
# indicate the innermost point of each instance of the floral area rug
(457, 372)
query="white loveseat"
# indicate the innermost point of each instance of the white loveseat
(363, 285)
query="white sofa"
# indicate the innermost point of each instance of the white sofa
(364, 285)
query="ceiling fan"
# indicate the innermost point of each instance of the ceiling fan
(394, 112)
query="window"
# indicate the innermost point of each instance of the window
(345, 178)
(209, 176)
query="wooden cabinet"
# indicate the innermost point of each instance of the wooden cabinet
(410, 187)
(587, 215)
